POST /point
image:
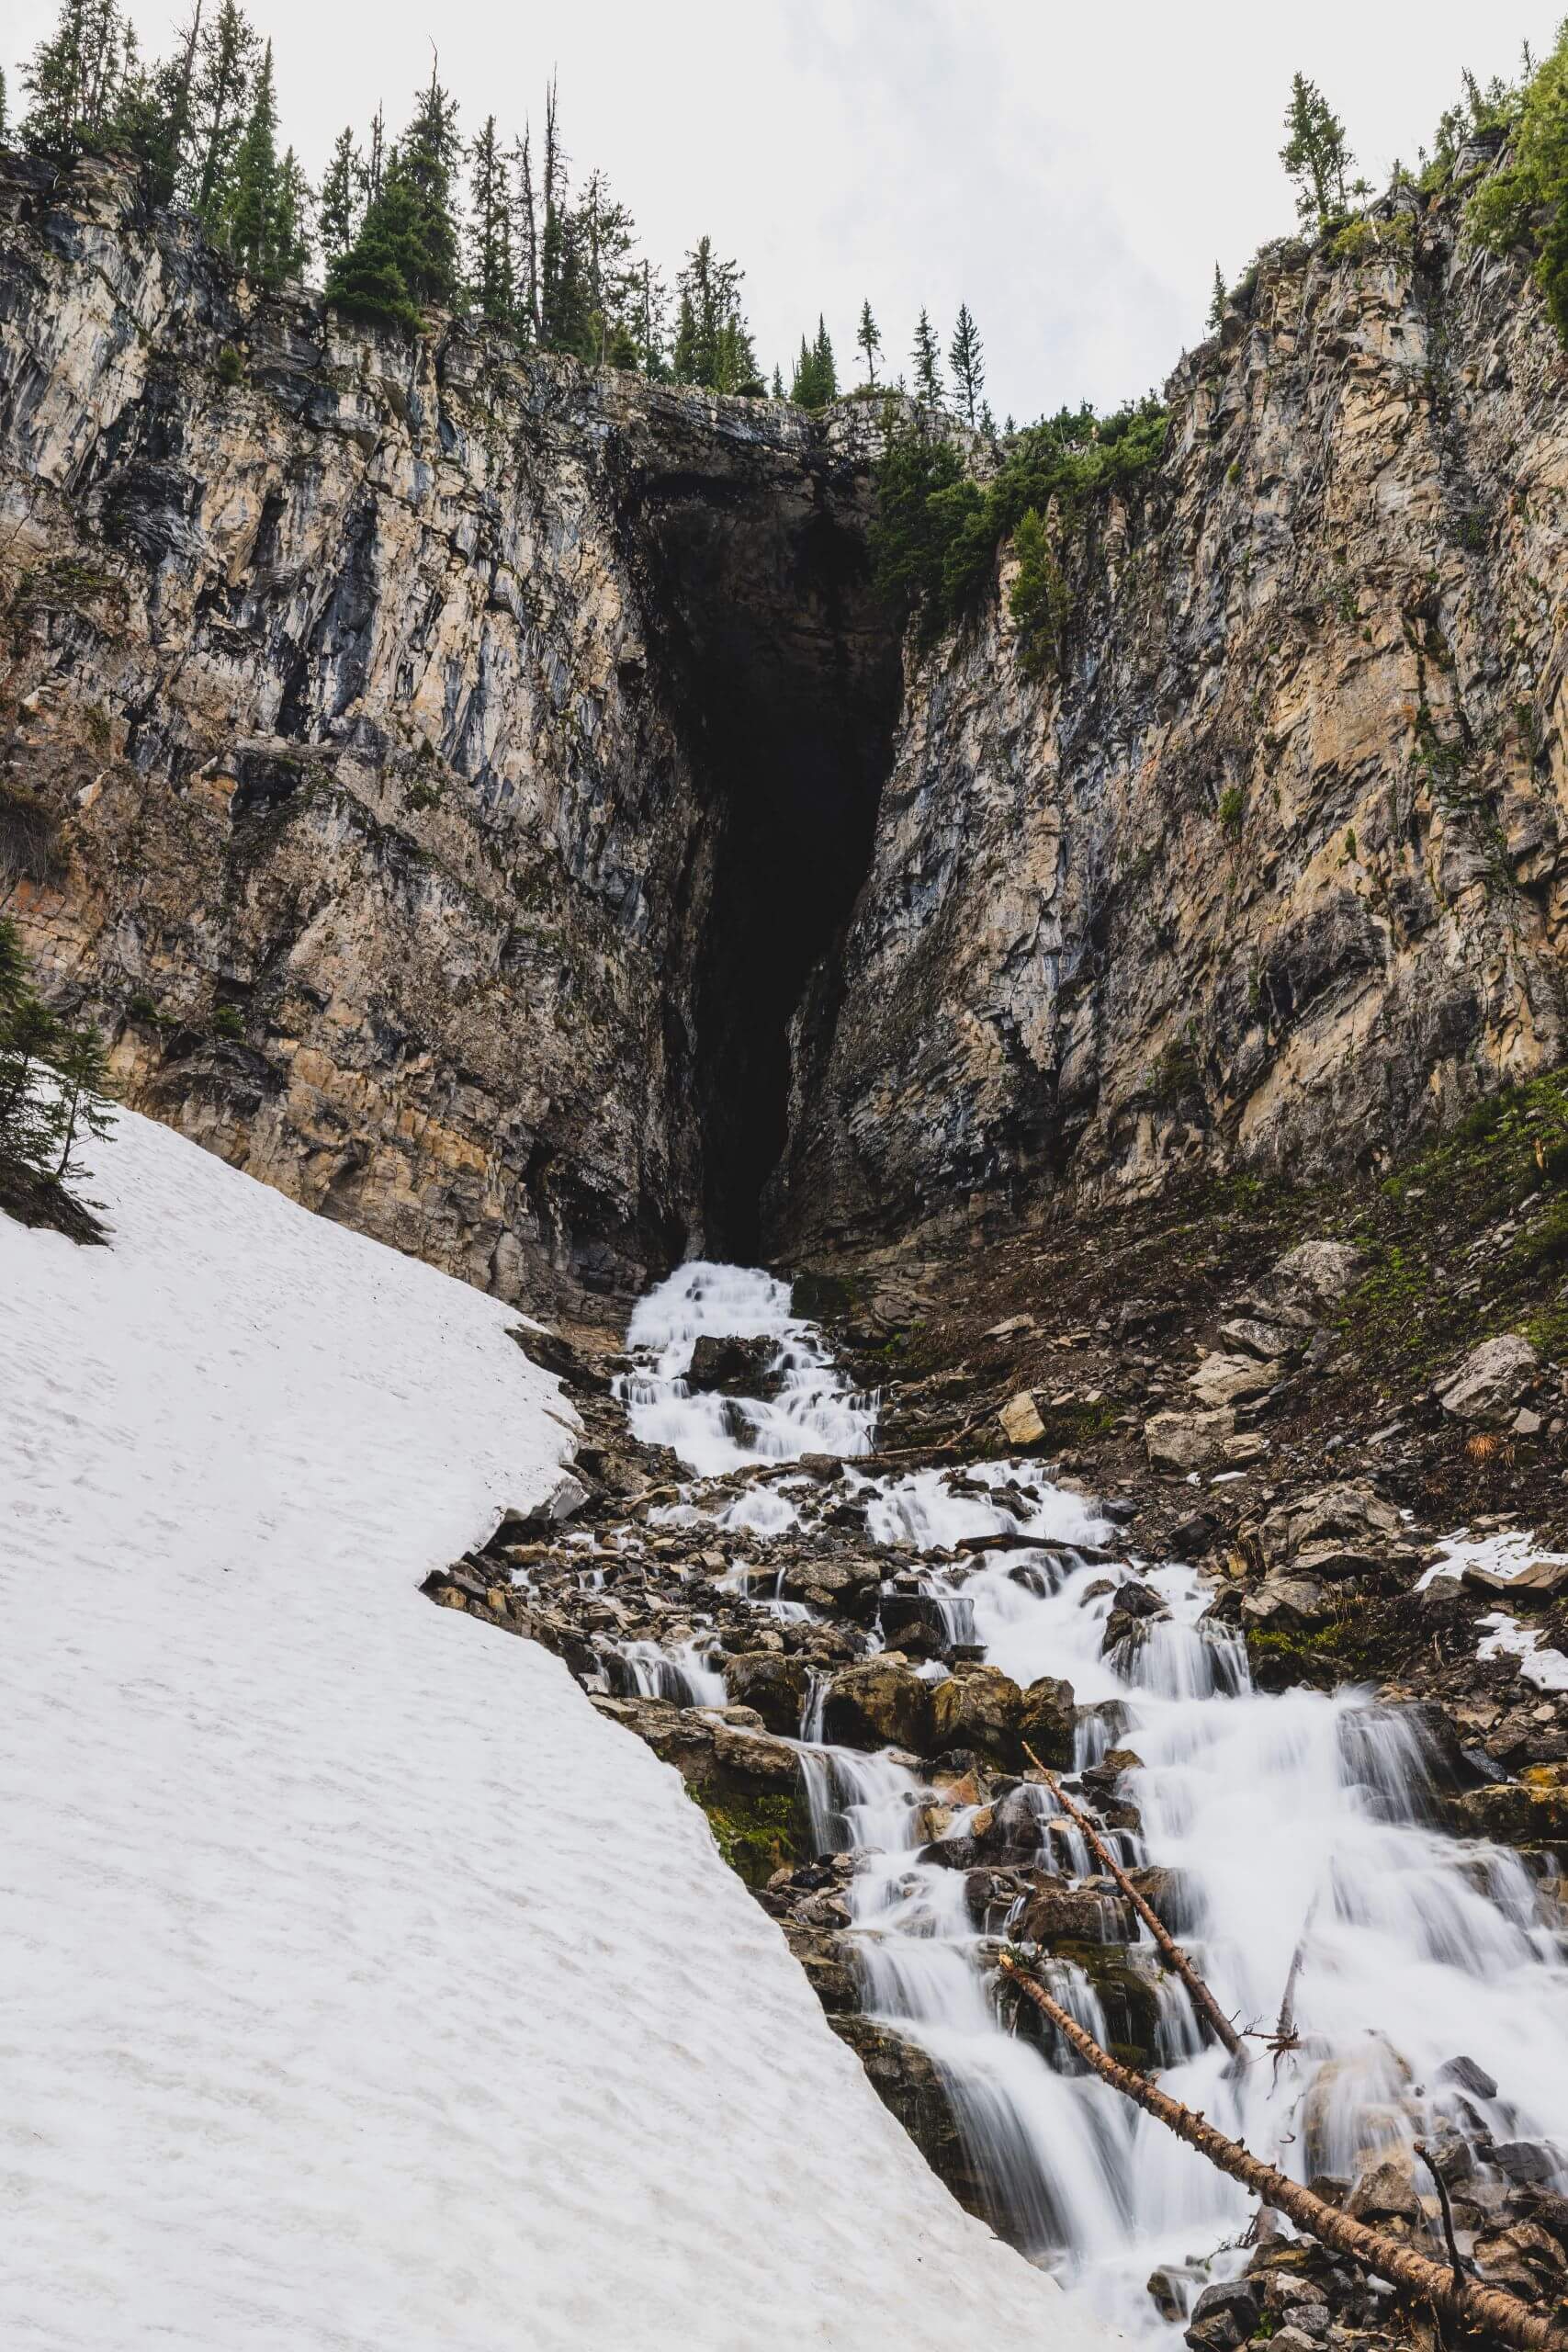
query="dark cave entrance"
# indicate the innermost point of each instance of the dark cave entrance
(786, 682)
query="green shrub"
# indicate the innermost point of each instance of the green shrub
(1231, 809)
(1041, 602)
(1525, 203)
(227, 1021)
(230, 366)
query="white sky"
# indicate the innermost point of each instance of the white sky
(1072, 172)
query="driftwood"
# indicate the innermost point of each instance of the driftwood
(1489, 2310)
(1203, 1999)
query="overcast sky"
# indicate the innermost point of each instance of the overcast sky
(1073, 174)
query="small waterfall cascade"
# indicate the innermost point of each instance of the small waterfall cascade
(1304, 1821)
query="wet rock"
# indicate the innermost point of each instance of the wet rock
(1055, 1914)
(910, 2084)
(1524, 2162)
(880, 1703)
(774, 1685)
(1532, 1810)
(731, 1368)
(913, 1622)
(1386, 2192)
(979, 1707)
(1181, 1442)
(1223, 2316)
(1048, 1722)
(1489, 1386)
(1463, 2074)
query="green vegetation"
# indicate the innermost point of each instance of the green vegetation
(936, 532)
(756, 1835)
(53, 1080)
(1526, 202)
(816, 379)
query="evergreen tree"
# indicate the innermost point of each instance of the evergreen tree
(251, 199)
(1315, 155)
(74, 80)
(371, 279)
(344, 192)
(491, 272)
(605, 231)
(713, 344)
(425, 163)
(869, 341)
(927, 364)
(291, 227)
(376, 164)
(816, 376)
(81, 1069)
(4, 125)
(225, 63)
(563, 324)
(653, 303)
(1217, 301)
(967, 362)
(777, 388)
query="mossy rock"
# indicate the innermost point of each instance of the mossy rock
(757, 1834)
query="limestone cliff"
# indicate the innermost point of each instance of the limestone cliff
(1272, 867)
(448, 773)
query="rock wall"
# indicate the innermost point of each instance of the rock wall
(448, 773)
(1273, 869)
(354, 765)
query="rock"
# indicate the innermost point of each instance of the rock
(1056, 1914)
(1487, 1387)
(564, 1500)
(1463, 2074)
(1182, 1442)
(1324, 1269)
(1525, 1423)
(910, 2083)
(774, 1685)
(1223, 2316)
(1020, 1422)
(1386, 2192)
(1541, 1581)
(1228, 1380)
(881, 1703)
(1268, 1342)
(1048, 1722)
(1291, 1603)
(731, 1368)
(1532, 1810)
(1339, 1530)
(1012, 1328)
(978, 1707)
(1524, 2162)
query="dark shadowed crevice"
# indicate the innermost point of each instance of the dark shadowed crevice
(785, 677)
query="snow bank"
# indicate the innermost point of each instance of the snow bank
(358, 1986)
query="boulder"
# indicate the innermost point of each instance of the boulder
(978, 1707)
(880, 1703)
(1529, 1811)
(730, 1367)
(1020, 1422)
(774, 1685)
(1181, 1442)
(1323, 1269)
(1229, 1380)
(1386, 2192)
(1266, 1340)
(1223, 2316)
(910, 2083)
(1048, 1721)
(1287, 1604)
(1489, 1385)
(1056, 1914)
(1541, 1582)
(1339, 1530)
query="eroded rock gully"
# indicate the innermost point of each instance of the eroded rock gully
(451, 776)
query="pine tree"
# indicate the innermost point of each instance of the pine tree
(1217, 301)
(226, 57)
(1315, 155)
(560, 321)
(869, 341)
(80, 1066)
(4, 125)
(606, 231)
(371, 279)
(491, 272)
(777, 390)
(425, 163)
(343, 193)
(713, 344)
(375, 162)
(73, 78)
(927, 364)
(967, 361)
(252, 197)
(653, 304)
(291, 228)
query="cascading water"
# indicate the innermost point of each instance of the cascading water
(1303, 1820)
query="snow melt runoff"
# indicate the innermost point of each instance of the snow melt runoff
(359, 1986)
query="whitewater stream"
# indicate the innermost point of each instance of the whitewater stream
(1302, 1819)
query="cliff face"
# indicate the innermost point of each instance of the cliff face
(1274, 868)
(374, 741)
(446, 776)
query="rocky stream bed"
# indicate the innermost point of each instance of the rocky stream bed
(868, 1666)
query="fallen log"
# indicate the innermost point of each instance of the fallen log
(1203, 1999)
(1490, 2310)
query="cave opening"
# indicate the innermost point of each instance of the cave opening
(788, 679)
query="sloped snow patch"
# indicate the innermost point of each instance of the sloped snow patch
(360, 1987)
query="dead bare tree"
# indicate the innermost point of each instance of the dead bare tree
(1489, 2310)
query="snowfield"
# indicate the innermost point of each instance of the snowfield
(359, 1987)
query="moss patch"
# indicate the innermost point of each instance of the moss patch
(756, 1835)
